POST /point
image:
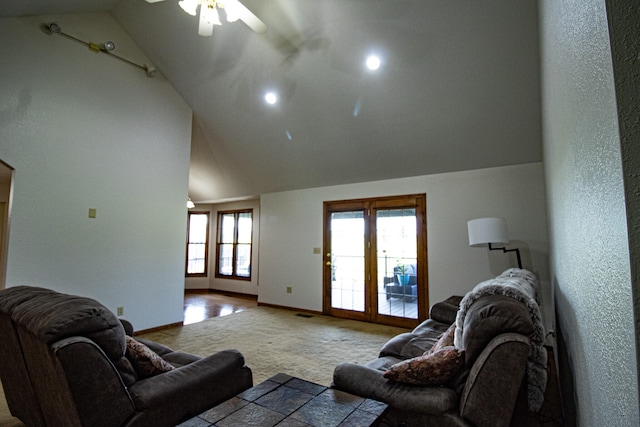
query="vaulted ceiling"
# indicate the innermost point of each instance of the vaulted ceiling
(457, 89)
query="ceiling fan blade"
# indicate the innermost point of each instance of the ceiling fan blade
(245, 15)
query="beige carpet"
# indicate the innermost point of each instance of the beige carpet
(272, 341)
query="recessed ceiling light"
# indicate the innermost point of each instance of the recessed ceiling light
(373, 62)
(271, 98)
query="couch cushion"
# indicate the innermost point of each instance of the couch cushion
(145, 362)
(489, 316)
(14, 296)
(423, 337)
(52, 316)
(431, 369)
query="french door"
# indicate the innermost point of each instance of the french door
(375, 260)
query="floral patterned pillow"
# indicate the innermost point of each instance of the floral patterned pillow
(145, 361)
(430, 369)
(444, 340)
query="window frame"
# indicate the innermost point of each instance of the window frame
(234, 276)
(206, 245)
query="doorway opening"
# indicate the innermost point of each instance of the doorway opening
(375, 263)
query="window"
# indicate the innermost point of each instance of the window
(197, 244)
(233, 249)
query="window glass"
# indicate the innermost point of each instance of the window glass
(235, 229)
(197, 243)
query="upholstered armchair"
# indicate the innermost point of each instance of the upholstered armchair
(68, 361)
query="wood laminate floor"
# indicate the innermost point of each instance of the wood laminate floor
(204, 304)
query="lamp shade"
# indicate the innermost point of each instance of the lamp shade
(483, 231)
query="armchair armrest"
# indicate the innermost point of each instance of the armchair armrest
(446, 311)
(91, 377)
(366, 382)
(189, 390)
(128, 327)
(491, 390)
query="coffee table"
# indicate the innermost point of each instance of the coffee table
(287, 401)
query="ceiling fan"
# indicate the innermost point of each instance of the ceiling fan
(209, 15)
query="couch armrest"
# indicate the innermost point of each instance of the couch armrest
(490, 392)
(128, 327)
(172, 397)
(91, 377)
(446, 311)
(366, 382)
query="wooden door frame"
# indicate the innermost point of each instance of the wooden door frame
(418, 201)
(4, 241)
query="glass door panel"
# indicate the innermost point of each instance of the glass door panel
(347, 258)
(397, 255)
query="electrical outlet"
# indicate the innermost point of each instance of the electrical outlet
(120, 311)
(288, 289)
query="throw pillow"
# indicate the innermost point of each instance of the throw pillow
(145, 362)
(432, 369)
(444, 340)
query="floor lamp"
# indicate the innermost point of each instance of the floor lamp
(485, 232)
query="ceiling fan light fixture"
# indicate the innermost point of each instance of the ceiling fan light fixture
(211, 15)
(189, 6)
(232, 11)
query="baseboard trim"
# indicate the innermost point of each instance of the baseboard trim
(282, 307)
(221, 292)
(263, 304)
(158, 328)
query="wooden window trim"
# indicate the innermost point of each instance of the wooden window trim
(233, 276)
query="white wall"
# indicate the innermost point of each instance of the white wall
(587, 218)
(249, 287)
(291, 226)
(84, 130)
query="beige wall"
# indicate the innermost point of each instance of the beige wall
(291, 226)
(84, 130)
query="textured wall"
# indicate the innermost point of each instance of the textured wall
(624, 29)
(587, 215)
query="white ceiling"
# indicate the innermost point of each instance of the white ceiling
(458, 87)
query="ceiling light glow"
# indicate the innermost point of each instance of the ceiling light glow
(373, 62)
(271, 98)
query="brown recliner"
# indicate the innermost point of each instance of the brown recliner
(497, 345)
(63, 362)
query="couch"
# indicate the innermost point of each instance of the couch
(466, 365)
(68, 361)
(403, 283)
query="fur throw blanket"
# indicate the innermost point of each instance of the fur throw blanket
(521, 285)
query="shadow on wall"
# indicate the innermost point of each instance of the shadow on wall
(565, 373)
